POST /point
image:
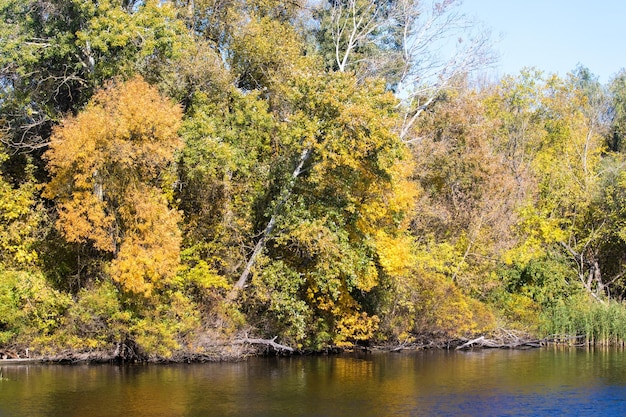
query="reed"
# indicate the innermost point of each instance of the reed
(587, 322)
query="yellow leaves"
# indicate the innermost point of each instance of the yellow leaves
(109, 167)
(566, 147)
(442, 258)
(78, 141)
(312, 238)
(20, 219)
(447, 312)
(395, 254)
(83, 218)
(537, 228)
(347, 323)
(404, 190)
(522, 310)
(347, 210)
(139, 113)
(205, 278)
(134, 269)
(355, 327)
(131, 124)
(29, 306)
(332, 264)
(367, 277)
(267, 52)
(150, 250)
(141, 127)
(385, 206)
(357, 127)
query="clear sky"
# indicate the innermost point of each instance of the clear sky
(555, 35)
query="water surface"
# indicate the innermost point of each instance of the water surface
(432, 383)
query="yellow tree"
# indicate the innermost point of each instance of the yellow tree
(551, 136)
(460, 224)
(111, 179)
(569, 190)
(21, 218)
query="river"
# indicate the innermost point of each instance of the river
(540, 382)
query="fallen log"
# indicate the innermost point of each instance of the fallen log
(267, 342)
(20, 361)
(483, 342)
(472, 342)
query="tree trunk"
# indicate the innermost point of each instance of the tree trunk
(594, 273)
(269, 228)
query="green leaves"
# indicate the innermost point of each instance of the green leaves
(288, 190)
(29, 307)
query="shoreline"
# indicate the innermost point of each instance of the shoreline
(182, 357)
(21, 361)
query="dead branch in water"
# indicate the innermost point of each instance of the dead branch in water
(504, 339)
(482, 342)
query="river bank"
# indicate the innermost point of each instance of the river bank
(245, 347)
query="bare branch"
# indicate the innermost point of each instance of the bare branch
(351, 25)
(429, 44)
(439, 44)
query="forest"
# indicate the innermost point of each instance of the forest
(179, 178)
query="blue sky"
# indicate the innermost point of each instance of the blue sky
(555, 35)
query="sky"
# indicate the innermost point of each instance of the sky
(555, 35)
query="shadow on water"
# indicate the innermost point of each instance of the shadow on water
(485, 383)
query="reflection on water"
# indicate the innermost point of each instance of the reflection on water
(486, 383)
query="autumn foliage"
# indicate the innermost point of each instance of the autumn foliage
(111, 172)
(176, 175)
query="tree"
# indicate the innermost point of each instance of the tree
(574, 134)
(617, 88)
(224, 171)
(21, 218)
(561, 120)
(429, 29)
(55, 54)
(336, 203)
(403, 41)
(358, 36)
(516, 102)
(111, 169)
(469, 196)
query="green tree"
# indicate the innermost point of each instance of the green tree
(617, 88)
(339, 204)
(55, 54)
(224, 170)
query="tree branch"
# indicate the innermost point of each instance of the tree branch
(267, 342)
(269, 228)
